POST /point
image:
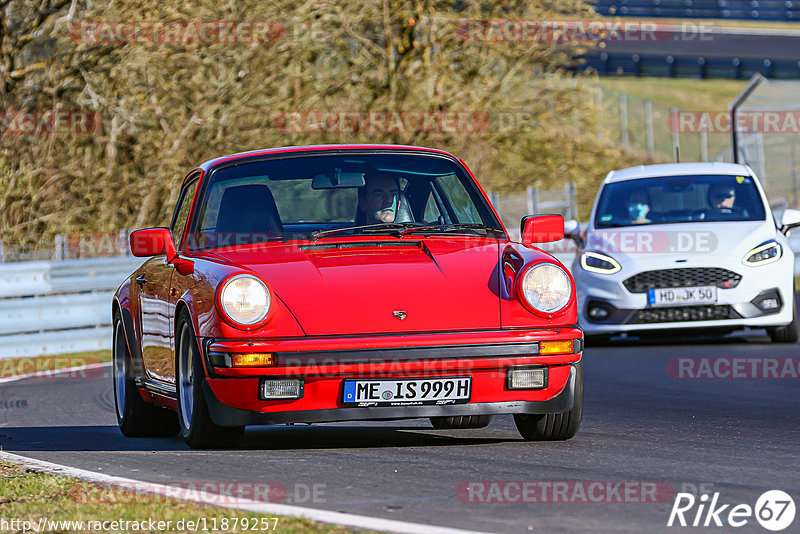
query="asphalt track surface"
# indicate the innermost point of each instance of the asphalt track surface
(738, 437)
(718, 43)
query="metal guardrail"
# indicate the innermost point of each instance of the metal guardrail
(59, 307)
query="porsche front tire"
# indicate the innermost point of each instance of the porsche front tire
(196, 426)
(136, 418)
(554, 426)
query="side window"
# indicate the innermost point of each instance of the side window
(182, 213)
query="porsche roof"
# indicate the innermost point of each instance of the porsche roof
(312, 148)
(677, 169)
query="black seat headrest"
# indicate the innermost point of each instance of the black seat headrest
(248, 209)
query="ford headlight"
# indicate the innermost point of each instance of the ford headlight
(763, 254)
(546, 287)
(594, 262)
(245, 299)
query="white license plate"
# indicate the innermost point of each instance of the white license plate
(681, 296)
(414, 391)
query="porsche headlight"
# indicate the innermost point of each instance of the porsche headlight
(245, 299)
(594, 262)
(764, 254)
(546, 287)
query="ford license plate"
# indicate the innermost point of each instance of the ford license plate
(415, 391)
(682, 296)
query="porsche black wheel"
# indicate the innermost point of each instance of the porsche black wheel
(554, 426)
(135, 417)
(194, 420)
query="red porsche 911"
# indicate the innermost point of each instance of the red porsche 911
(338, 283)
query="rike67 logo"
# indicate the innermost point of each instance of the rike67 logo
(774, 510)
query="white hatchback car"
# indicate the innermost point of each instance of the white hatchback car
(685, 245)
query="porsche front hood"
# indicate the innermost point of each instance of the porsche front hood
(409, 284)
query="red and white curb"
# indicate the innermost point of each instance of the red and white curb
(323, 516)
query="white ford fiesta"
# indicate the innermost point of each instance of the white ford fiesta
(685, 245)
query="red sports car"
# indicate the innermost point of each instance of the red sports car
(337, 283)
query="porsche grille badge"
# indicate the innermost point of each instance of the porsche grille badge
(400, 314)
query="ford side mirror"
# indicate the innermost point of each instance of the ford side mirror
(572, 230)
(541, 229)
(790, 219)
(152, 242)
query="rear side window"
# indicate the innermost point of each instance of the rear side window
(182, 213)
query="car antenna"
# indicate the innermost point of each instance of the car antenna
(677, 154)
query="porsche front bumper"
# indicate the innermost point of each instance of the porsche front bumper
(323, 364)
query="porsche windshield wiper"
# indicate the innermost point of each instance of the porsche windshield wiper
(443, 228)
(391, 228)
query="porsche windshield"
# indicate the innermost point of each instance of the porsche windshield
(679, 199)
(317, 196)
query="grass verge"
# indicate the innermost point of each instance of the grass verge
(38, 498)
(683, 93)
(749, 24)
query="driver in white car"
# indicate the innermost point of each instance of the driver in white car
(722, 197)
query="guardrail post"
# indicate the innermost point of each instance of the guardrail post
(623, 118)
(648, 114)
(61, 247)
(703, 145)
(676, 140)
(124, 242)
(572, 200)
(533, 200)
(598, 101)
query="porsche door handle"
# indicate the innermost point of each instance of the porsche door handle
(141, 280)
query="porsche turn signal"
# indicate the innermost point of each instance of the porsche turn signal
(565, 346)
(253, 360)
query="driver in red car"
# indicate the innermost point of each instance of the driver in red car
(379, 199)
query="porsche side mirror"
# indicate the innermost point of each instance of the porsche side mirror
(790, 219)
(541, 229)
(152, 242)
